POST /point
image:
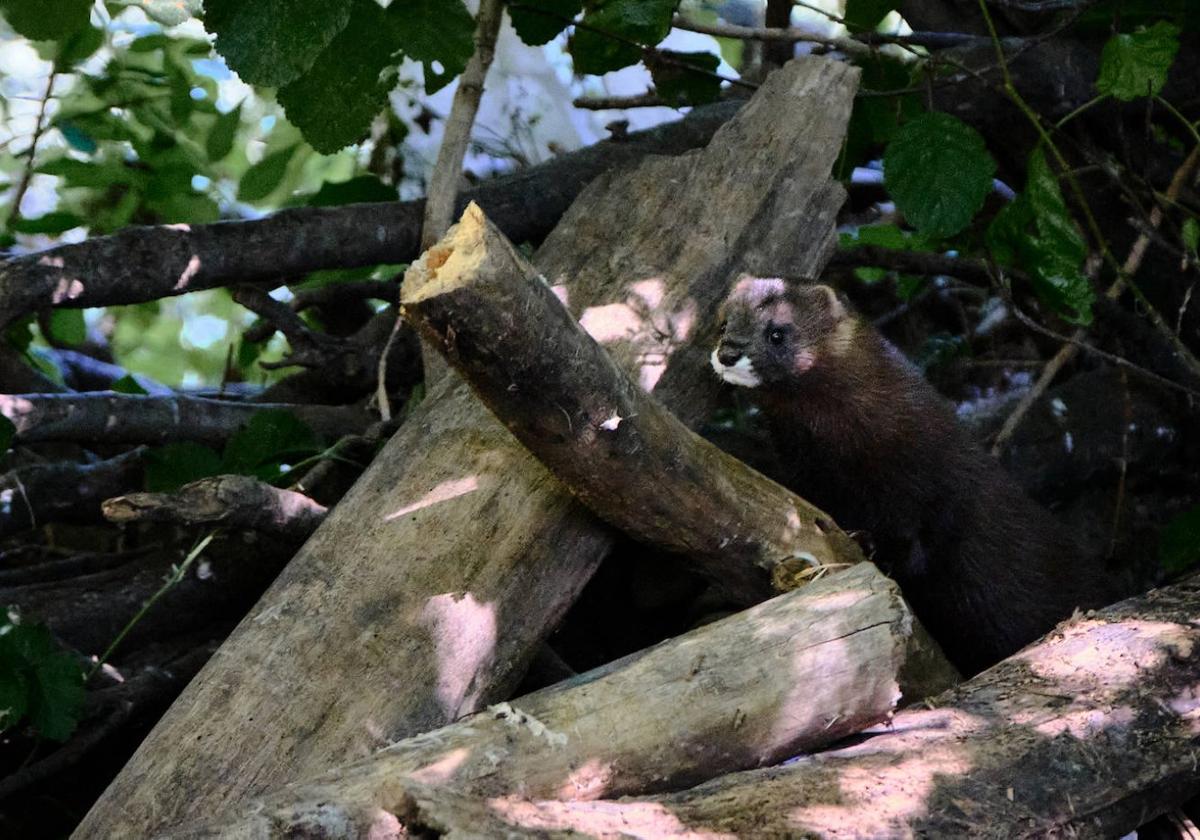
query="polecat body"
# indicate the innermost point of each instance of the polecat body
(865, 437)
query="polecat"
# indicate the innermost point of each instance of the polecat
(866, 438)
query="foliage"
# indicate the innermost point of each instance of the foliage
(262, 448)
(1136, 65)
(39, 681)
(1036, 232)
(938, 170)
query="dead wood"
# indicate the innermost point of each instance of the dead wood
(630, 460)
(62, 491)
(1087, 733)
(745, 691)
(236, 501)
(426, 591)
(105, 417)
(141, 264)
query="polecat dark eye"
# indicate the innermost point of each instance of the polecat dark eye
(775, 336)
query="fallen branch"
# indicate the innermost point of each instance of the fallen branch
(476, 300)
(793, 674)
(104, 417)
(309, 348)
(1089, 732)
(235, 501)
(147, 263)
(65, 492)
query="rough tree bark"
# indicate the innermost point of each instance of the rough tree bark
(423, 595)
(793, 674)
(476, 300)
(1089, 732)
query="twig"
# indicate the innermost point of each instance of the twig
(649, 99)
(443, 183)
(973, 271)
(1123, 463)
(27, 171)
(309, 348)
(1066, 353)
(176, 575)
(67, 492)
(850, 46)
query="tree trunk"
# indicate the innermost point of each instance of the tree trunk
(425, 592)
(788, 675)
(475, 299)
(1087, 733)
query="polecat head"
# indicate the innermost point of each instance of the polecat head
(772, 331)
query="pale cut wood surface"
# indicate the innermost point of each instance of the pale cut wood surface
(422, 596)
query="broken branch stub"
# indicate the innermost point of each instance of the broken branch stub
(616, 447)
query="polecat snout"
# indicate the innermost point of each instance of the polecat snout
(865, 437)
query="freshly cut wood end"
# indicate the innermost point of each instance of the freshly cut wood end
(450, 263)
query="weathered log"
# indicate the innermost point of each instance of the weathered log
(746, 691)
(1087, 733)
(475, 299)
(425, 592)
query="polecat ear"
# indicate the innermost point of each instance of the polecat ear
(818, 294)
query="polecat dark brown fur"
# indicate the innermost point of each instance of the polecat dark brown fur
(866, 438)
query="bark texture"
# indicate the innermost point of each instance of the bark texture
(1090, 732)
(795, 673)
(476, 300)
(427, 589)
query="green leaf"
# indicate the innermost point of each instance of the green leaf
(266, 441)
(170, 467)
(362, 189)
(875, 119)
(431, 31)
(538, 21)
(1136, 65)
(1179, 542)
(938, 170)
(219, 142)
(885, 236)
(170, 12)
(865, 15)
(645, 22)
(127, 384)
(46, 20)
(907, 285)
(67, 326)
(1191, 234)
(334, 103)
(1037, 233)
(41, 681)
(264, 177)
(79, 46)
(682, 86)
(7, 432)
(77, 138)
(271, 42)
(50, 223)
(82, 173)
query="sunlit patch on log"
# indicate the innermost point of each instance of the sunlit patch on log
(602, 819)
(464, 634)
(442, 770)
(189, 271)
(444, 492)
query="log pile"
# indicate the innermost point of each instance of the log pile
(370, 691)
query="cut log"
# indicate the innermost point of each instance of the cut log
(1087, 733)
(425, 592)
(475, 299)
(746, 691)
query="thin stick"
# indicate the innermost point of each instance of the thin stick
(1068, 351)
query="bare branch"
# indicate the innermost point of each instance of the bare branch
(236, 501)
(106, 417)
(65, 492)
(147, 263)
